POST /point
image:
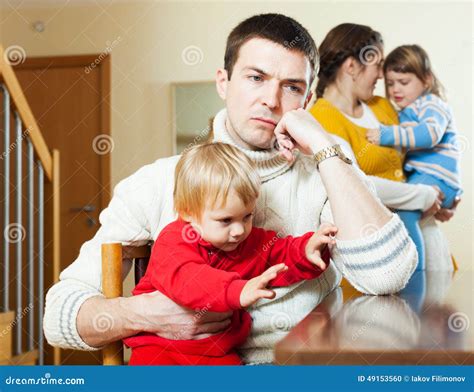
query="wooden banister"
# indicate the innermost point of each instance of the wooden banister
(26, 115)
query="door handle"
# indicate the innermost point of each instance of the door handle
(86, 208)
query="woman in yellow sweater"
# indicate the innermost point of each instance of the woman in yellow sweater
(351, 59)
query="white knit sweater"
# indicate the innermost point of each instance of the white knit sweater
(293, 200)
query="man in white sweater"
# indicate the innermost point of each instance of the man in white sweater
(269, 65)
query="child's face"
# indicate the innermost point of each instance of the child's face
(404, 88)
(228, 226)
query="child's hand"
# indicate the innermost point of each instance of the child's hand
(256, 288)
(373, 136)
(324, 236)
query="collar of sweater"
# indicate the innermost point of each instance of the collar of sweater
(270, 163)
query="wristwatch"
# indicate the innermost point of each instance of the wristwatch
(329, 152)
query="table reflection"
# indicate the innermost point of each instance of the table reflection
(427, 322)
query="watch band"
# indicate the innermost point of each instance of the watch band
(329, 152)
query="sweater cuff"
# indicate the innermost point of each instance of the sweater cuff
(380, 263)
(59, 324)
(233, 293)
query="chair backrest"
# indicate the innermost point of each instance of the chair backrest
(113, 255)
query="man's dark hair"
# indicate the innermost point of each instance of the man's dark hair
(277, 28)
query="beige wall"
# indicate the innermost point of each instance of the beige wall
(152, 37)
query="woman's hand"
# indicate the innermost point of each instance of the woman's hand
(445, 214)
(373, 136)
(256, 288)
(436, 205)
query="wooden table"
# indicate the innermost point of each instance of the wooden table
(428, 323)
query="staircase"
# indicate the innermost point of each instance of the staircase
(26, 165)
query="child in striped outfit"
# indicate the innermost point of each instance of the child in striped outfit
(427, 132)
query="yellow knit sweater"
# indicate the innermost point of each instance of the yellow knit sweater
(373, 160)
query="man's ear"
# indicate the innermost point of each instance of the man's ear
(221, 83)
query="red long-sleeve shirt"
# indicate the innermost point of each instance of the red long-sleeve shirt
(194, 273)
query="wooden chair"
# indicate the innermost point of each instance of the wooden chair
(113, 255)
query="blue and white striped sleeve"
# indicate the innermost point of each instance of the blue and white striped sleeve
(427, 132)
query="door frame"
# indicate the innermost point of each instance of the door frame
(104, 68)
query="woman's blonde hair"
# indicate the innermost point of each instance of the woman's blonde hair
(413, 59)
(207, 172)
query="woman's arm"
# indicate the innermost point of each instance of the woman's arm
(403, 196)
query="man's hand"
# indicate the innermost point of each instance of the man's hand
(299, 129)
(158, 314)
(256, 288)
(324, 236)
(101, 321)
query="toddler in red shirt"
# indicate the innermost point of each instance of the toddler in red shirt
(212, 259)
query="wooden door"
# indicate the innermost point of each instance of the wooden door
(71, 102)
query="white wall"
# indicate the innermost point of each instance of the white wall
(153, 37)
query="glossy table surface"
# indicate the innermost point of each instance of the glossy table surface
(428, 323)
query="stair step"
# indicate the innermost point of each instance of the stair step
(27, 358)
(6, 327)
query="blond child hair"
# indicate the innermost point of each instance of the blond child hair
(207, 172)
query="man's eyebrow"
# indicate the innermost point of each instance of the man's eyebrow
(261, 71)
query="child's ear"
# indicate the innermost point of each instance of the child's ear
(429, 81)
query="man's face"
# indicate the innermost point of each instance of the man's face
(267, 81)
